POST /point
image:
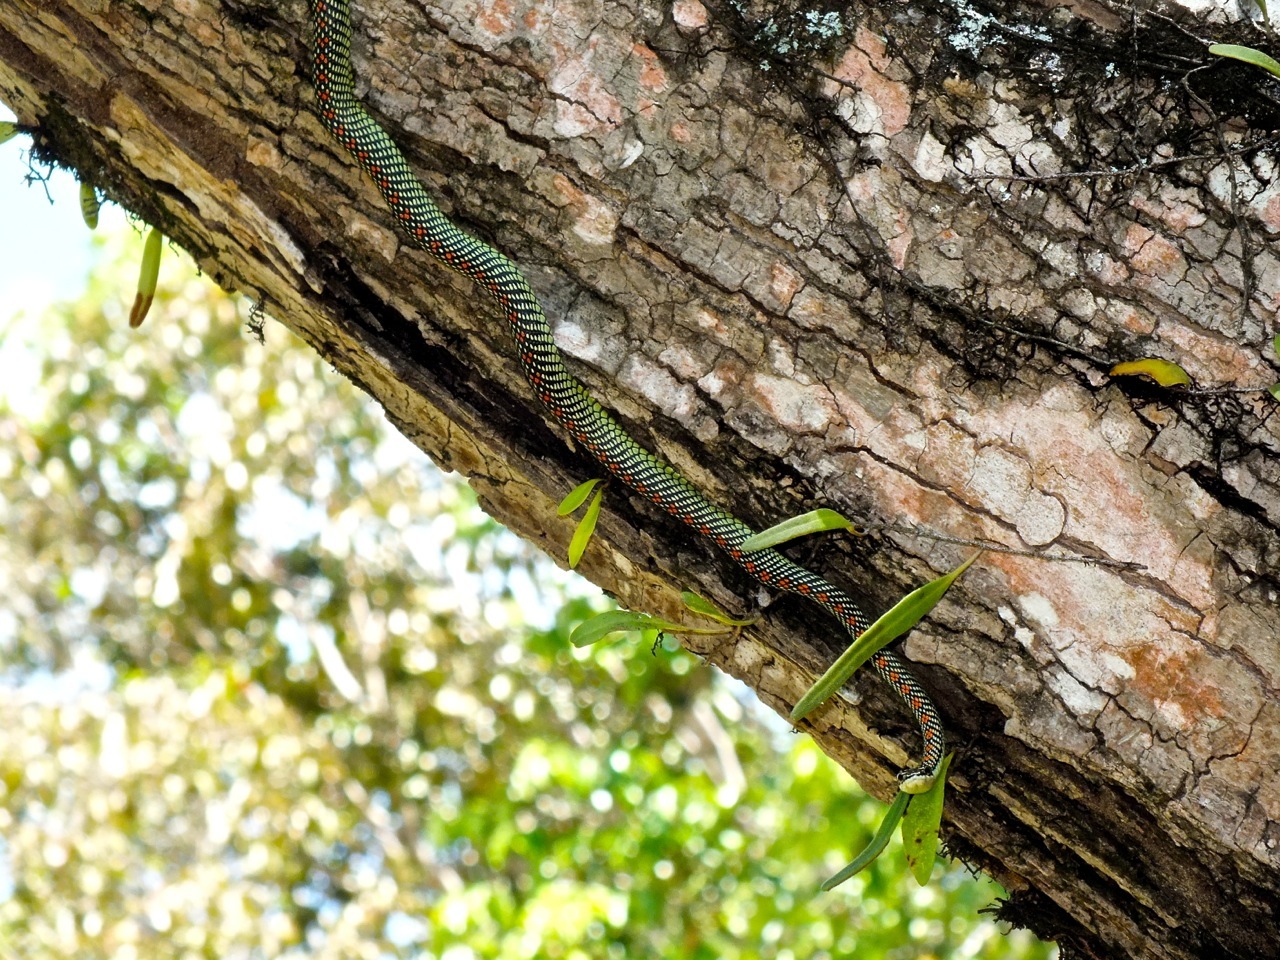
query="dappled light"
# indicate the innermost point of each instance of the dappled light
(273, 687)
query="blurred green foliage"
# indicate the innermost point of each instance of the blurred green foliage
(274, 687)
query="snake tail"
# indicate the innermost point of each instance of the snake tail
(568, 401)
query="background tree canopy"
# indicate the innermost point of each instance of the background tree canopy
(274, 686)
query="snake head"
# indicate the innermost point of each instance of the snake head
(917, 779)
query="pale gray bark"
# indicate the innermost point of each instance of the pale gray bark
(934, 354)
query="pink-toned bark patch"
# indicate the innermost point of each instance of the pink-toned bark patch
(1133, 319)
(900, 244)
(689, 14)
(591, 106)
(1212, 360)
(784, 283)
(593, 220)
(1152, 254)
(1176, 214)
(797, 408)
(1175, 673)
(652, 76)
(495, 18)
(1270, 213)
(862, 186)
(863, 65)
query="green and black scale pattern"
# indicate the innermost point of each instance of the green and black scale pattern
(566, 398)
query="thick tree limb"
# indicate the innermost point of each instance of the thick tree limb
(934, 353)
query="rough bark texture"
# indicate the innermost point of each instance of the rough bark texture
(933, 354)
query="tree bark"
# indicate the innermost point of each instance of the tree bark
(874, 257)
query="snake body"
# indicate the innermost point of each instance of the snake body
(569, 402)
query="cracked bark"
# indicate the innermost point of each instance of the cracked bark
(934, 354)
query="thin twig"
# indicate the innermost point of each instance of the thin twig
(1241, 225)
(1217, 391)
(1203, 42)
(1138, 168)
(1001, 548)
(1049, 341)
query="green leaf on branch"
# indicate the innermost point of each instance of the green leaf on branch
(617, 621)
(707, 609)
(1163, 372)
(1274, 390)
(815, 521)
(586, 527)
(876, 847)
(921, 824)
(1247, 55)
(576, 498)
(622, 621)
(905, 614)
(8, 130)
(147, 277)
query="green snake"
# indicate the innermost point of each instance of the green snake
(585, 420)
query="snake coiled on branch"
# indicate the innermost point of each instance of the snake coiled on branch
(585, 420)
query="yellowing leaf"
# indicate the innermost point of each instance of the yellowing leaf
(586, 527)
(921, 824)
(906, 613)
(815, 521)
(1163, 372)
(89, 205)
(876, 847)
(1248, 55)
(576, 498)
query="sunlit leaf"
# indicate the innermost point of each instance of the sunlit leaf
(147, 277)
(89, 205)
(617, 621)
(1248, 55)
(586, 527)
(815, 521)
(921, 824)
(876, 847)
(905, 614)
(706, 608)
(1163, 372)
(1274, 390)
(576, 498)
(8, 130)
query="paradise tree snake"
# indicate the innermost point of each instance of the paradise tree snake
(585, 420)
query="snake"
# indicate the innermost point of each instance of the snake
(585, 420)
